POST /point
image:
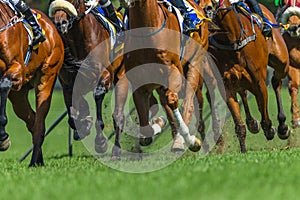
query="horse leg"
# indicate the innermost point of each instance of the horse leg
(121, 92)
(43, 93)
(5, 86)
(261, 95)
(175, 83)
(100, 141)
(240, 128)
(178, 141)
(283, 129)
(294, 82)
(141, 100)
(252, 124)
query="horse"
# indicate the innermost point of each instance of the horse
(18, 76)
(157, 66)
(87, 38)
(242, 54)
(291, 36)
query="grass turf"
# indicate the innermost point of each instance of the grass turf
(267, 171)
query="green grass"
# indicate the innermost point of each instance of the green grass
(267, 171)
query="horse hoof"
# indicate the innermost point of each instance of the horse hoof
(101, 147)
(76, 135)
(178, 144)
(145, 141)
(5, 144)
(115, 158)
(283, 132)
(253, 126)
(270, 133)
(196, 146)
(296, 123)
(116, 153)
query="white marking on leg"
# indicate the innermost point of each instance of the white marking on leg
(184, 130)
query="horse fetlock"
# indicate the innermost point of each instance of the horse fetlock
(5, 143)
(283, 132)
(99, 123)
(178, 143)
(253, 125)
(101, 145)
(116, 153)
(296, 123)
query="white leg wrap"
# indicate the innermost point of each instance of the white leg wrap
(184, 130)
(156, 129)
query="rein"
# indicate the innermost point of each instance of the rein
(235, 44)
(72, 19)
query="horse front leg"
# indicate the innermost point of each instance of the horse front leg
(121, 93)
(283, 129)
(174, 86)
(100, 141)
(5, 86)
(252, 124)
(240, 128)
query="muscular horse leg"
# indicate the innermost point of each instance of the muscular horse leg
(121, 92)
(283, 129)
(261, 95)
(252, 124)
(43, 93)
(141, 100)
(192, 141)
(178, 143)
(240, 128)
(294, 82)
(100, 141)
(5, 86)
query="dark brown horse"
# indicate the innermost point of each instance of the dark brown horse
(242, 55)
(17, 79)
(152, 62)
(90, 46)
(291, 36)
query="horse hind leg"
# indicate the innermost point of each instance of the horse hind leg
(121, 92)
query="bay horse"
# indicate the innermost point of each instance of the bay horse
(242, 54)
(157, 66)
(88, 39)
(291, 37)
(17, 78)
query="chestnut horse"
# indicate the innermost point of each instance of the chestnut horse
(242, 55)
(157, 66)
(88, 39)
(17, 78)
(291, 16)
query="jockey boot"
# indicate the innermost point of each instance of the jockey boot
(24, 9)
(188, 24)
(111, 14)
(267, 27)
